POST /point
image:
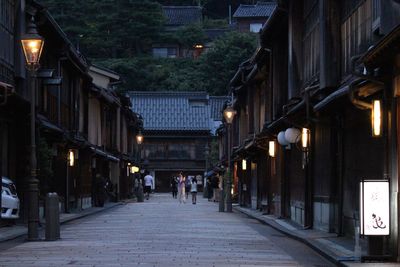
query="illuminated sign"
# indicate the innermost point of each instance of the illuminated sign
(374, 207)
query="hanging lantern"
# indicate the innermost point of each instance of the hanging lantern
(282, 140)
(292, 135)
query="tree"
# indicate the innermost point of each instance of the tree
(109, 28)
(220, 63)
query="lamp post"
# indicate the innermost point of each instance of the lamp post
(229, 114)
(32, 44)
(139, 141)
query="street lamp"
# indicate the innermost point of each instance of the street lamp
(139, 138)
(32, 45)
(229, 114)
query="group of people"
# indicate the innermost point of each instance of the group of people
(182, 185)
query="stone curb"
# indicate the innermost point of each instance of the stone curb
(23, 231)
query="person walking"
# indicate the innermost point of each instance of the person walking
(188, 182)
(181, 188)
(148, 184)
(174, 186)
(193, 190)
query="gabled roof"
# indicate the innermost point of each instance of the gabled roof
(216, 106)
(172, 111)
(261, 9)
(182, 15)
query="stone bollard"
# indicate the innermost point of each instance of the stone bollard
(52, 217)
(140, 195)
(221, 200)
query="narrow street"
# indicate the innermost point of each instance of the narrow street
(163, 232)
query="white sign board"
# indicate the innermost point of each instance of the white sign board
(374, 207)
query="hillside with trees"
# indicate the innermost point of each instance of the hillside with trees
(117, 34)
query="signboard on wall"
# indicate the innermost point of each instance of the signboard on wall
(374, 207)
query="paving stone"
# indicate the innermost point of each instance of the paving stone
(158, 232)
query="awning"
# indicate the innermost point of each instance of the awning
(332, 97)
(45, 123)
(102, 153)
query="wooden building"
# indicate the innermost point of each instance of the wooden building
(66, 122)
(177, 128)
(320, 65)
(251, 18)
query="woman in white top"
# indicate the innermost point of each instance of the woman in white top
(193, 190)
(181, 188)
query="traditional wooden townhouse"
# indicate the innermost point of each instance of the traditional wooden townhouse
(178, 128)
(328, 70)
(66, 121)
(112, 129)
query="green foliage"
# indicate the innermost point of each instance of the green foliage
(211, 72)
(221, 62)
(109, 28)
(215, 23)
(190, 35)
(117, 34)
(214, 153)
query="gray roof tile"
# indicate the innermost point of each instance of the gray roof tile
(261, 9)
(173, 111)
(216, 105)
(182, 15)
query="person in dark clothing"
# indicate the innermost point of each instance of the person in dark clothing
(100, 190)
(174, 187)
(209, 189)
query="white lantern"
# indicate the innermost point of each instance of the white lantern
(281, 139)
(292, 135)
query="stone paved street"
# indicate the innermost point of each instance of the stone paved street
(162, 232)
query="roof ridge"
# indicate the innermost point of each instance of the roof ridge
(197, 7)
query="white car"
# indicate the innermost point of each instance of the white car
(9, 200)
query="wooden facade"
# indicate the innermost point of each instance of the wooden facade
(319, 66)
(66, 119)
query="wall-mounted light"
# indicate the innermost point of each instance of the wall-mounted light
(134, 169)
(271, 149)
(376, 118)
(244, 164)
(305, 138)
(198, 46)
(71, 158)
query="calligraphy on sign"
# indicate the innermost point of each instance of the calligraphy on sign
(374, 207)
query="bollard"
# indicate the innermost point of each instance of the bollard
(140, 195)
(52, 217)
(221, 200)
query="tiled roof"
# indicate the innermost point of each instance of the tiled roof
(173, 111)
(216, 105)
(182, 15)
(261, 9)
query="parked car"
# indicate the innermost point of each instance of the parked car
(9, 200)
